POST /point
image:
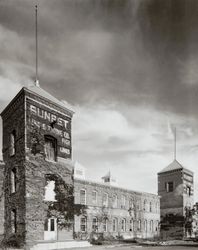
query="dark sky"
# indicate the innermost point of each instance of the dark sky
(128, 67)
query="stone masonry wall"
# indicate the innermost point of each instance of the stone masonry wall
(1, 198)
(14, 119)
(139, 213)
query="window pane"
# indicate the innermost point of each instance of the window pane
(52, 225)
(82, 197)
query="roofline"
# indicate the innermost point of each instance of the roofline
(173, 170)
(63, 107)
(12, 101)
(115, 187)
(27, 90)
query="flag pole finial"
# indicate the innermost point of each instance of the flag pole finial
(36, 43)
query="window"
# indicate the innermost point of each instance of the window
(157, 226)
(49, 191)
(150, 207)
(131, 203)
(50, 148)
(83, 224)
(12, 143)
(169, 187)
(13, 221)
(82, 197)
(123, 225)
(123, 201)
(145, 225)
(105, 200)
(131, 225)
(115, 201)
(115, 224)
(151, 226)
(13, 180)
(95, 224)
(94, 197)
(145, 205)
(50, 225)
(188, 189)
(105, 225)
(139, 225)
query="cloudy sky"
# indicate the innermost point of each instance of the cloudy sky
(129, 68)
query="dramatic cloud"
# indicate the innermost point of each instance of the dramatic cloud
(129, 68)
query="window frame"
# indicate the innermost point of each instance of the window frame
(53, 141)
(84, 224)
(95, 224)
(123, 225)
(85, 196)
(13, 180)
(105, 202)
(94, 201)
(12, 147)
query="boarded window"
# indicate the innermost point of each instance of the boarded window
(82, 197)
(50, 148)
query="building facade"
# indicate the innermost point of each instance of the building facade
(37, 155)
(42, 201)
(115, 211)
(176, 189)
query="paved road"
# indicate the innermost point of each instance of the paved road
(133, 247)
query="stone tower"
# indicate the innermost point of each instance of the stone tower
(38, 170)
(175, 188)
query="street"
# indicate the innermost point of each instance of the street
(128, 247)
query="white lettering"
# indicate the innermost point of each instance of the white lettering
(65, 150)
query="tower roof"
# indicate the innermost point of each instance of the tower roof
(175, 165)
(41, 92)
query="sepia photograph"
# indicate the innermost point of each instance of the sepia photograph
(98, 124)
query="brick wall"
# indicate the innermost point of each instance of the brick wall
(1, 198)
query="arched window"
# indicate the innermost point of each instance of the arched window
(123, 225)
(115, 224)
(83, 197)
(50, 148)
(12, 143)
(83, 224)
(95, 224)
